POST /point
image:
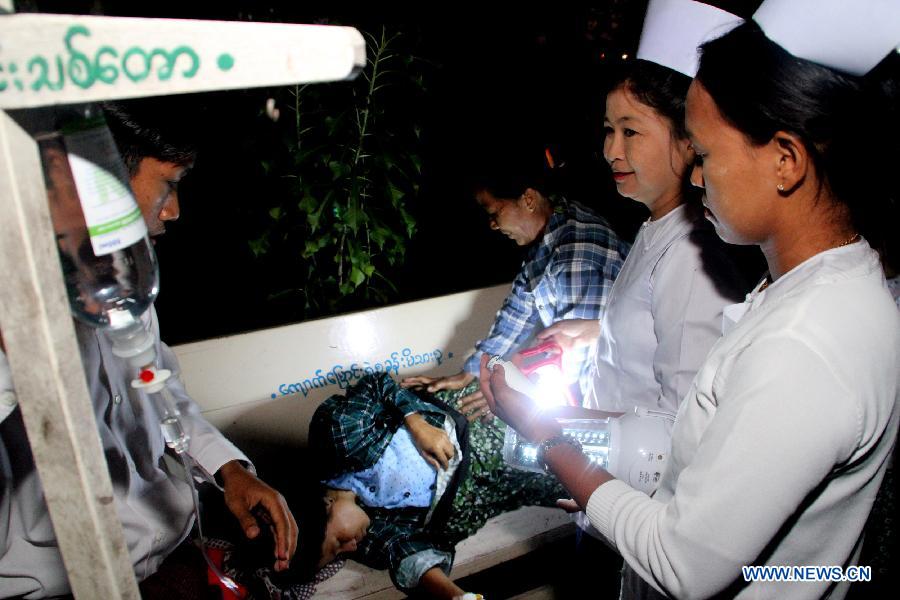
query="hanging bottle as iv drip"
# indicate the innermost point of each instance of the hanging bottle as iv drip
(108, 263)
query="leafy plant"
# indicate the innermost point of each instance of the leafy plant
(348, 172)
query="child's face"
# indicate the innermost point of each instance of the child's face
(347, 526)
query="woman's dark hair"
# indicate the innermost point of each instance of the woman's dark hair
(843, 121)
(662, 89)
(507, 169)
(160, 128)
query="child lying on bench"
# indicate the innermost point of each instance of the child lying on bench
(404, 478)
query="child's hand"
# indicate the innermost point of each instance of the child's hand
(433, 443)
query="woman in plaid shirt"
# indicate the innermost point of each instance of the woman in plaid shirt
(572, 259)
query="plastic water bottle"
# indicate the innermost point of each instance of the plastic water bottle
(515, 378)
(107, 259)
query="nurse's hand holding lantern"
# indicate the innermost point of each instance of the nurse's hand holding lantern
(522, 412)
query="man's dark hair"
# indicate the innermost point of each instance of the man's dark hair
(160, 128)
(760, 89)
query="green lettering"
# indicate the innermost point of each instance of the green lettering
(80, 71)
(135, 77)
(43, 80)
(107, 73)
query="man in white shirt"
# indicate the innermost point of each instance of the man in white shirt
(155, 505)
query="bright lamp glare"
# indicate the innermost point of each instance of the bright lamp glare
(359, 336)
(529, 453)
(552, 386)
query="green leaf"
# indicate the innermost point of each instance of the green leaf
(409, 221)
(337, 169)
(275, 213)
(396, 195)
(379, 236)
(259, 246)
(357, 276)
(311, 246)
(353, 216)
(307, 204)
(314, 216)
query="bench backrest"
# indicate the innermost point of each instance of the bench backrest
(263, 386)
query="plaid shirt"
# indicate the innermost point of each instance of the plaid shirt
(350, 433)
(567, 275)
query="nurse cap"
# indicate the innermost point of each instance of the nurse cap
(847, 36)
(673, 30)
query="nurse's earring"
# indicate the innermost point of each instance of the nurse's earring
(780, 187)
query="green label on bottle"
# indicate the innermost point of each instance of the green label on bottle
(110, 211)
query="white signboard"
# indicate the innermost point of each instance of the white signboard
(59, 59)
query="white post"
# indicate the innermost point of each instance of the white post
(46, 366)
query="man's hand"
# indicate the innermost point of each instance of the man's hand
(433, 443)
(572, 333)
(518, 410)
(243, 491)
(434, 384)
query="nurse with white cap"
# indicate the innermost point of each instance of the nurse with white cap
(665, 308)
(782, 441)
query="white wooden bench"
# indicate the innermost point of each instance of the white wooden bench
(262, 387)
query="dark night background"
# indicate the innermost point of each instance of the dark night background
(516, 74)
